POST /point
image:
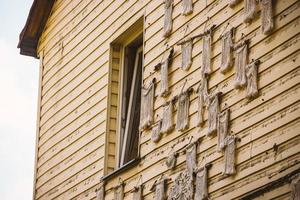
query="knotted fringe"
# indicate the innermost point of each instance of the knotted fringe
(191, 162)
(159, 188)
(168, 23)
(241, 59)
(119, 192)
(249, 10)
(251, 74)
(137, 193)
(267, 23)
(232, 3)
(201, 192)
(147, 105)
(187, 7)
(164, 71)
(202, 98)
(167, 118)
(186, 52)
(223, 121)
(229, 157)
(183, 188)
(100, 192)
(295, 187)
(206, 53)
(171, 160)
(227, 45)
(213, 111)
(183, 111)
(156, 134)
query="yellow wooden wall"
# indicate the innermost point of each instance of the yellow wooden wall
(76, 97)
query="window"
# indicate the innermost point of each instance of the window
(124, 100)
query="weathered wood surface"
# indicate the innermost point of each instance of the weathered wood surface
(77, 79)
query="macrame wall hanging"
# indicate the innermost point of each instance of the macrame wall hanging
(167, 118)
(100, 191)
(156, 133)
(249, 10)
(183, 188)
(168, 22)
(213, 111)
(232, 3)
(164, 71)
(183, 110)
(202, 99)
(223, 126)
(119, 191)
(191, 157)
(137, 193)
(159, 188)
(241, 60)
(171, 160)
(186, 53)
(295, 187)
(229, 155)
(227, 46)
(267, 23)
(251, 74)
(147, 106)
(206, 52)
(187, 7)
(201, 192)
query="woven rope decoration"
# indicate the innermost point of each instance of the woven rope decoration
(168, 22)
(183, 111)
(167, 118)
(206, 53)
(249, 10)
(241, 59)
(191, 154)
(251, 74)
(147, 105)
(213, 111)
(232, 3)
(202, 99)
(137, 193)
(223, 124)
(295, 187)
(229, 157)
(227, 45)
(267, 22)
(183, 188)
(186, 53)
(187, 7)
(201, 192)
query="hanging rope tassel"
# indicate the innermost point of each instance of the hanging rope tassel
(167, 119)
(164, 71)
(202, 98)
(186, 52)
(147, 106)
(223, 124)
(187, 7)
(159, 188)
(183, 111)
(100, 191)
(201, 192)
(241, 59)
(267, 23)
(156, 133)
(229, 157)
(249, 10)
(191, 155)
(138, 193)
(295, 187)
(227, 45)
(168, 23)
(213, 111)
(206, 53)
(119, 192)
(171, 160)
(251, 73)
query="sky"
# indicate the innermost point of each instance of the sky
(18, 104)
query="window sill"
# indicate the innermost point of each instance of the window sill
(125, 167)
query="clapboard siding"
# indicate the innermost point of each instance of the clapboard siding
(77, 137)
